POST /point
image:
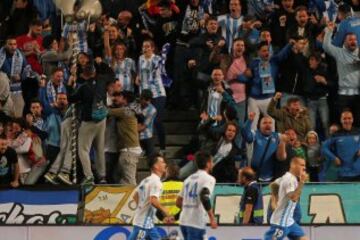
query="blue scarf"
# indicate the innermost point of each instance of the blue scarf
(51, 91)
(17, 61)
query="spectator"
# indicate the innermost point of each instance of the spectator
(79, 28)
(53, 87)
(9, 167)
(317, 84)
(20, 18)
(251, 204)
(146, 129)
(292, 116)
(149, 77)
(212, 105)
(348, 24)
(31, 45)
(123, 67)
(313, 155)
(261, 76)
(35, 119)
(230, 23)
(265, 147)
(53, 126)
(6, 102)
(91, 93)
(347, 63)
(342, 148)
(281, 20)
(200, 50)
(52, 58)
(291, 76)
(14, 64)
(28, 146)
(289, 147)
(128, 136)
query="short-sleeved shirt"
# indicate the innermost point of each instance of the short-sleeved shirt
(7, 162)
(149, 113)
(283, 214)
(193, 213)
(145, 212)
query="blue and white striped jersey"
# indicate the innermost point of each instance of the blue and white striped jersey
(150, 75)
(145, 212)
(124, 71)
(283, 215)
(149, 113)
(230, 28)
(80, 29)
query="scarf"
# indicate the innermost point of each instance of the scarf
(192, 19)
(17, 61)
(51, 91)
(166, 80)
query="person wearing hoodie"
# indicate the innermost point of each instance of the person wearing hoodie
(348, 67)
(313, 155)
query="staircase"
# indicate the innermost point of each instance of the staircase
(180, 126)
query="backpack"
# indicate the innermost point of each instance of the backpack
(98, 110)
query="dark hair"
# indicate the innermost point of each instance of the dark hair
(154, 159)
(119, 43)
(262, 44)
(248, 173)
(232, 123)
(202, 158)
(3, 136)
(316, 55)
(48, 40)
(238, 39)
(300, 8)
(210, 18)
(292, 100)
(344, 8)
(129, 96)
(58, 69)
(35, 100)
(21, 122)
(36, 22)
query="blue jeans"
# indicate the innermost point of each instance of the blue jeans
(191, 233)
(159, 103)
(319, 106)
(139, 233)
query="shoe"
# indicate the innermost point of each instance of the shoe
(88, 181)
(102, 180)
(65, 178)
(51, 178)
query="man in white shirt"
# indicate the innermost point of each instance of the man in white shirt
(282, 221)
(194, 199)
(147, 198)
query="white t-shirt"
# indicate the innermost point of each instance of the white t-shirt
(193, 213)
(283, 214)
(145, 212)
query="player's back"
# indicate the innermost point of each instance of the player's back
(193, 213)
(283, 214)
(144, 213)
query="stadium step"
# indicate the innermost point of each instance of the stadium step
(185, 127)
(181, 116)
(176, 140)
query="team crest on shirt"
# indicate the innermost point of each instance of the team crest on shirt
(3, 161)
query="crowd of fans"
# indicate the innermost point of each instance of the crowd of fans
(272, 80)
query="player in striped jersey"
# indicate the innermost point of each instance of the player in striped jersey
(230, 23)
(194, 199)
(282, 221)
(147, 197)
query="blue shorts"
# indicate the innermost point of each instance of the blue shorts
(278, 233)
(139, 233)
(191, 233)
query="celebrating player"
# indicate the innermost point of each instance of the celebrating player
(194, 199)
(147, 197)
(282, 220)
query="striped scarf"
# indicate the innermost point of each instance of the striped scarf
(167, 81)
(51, 91)
(16, 62)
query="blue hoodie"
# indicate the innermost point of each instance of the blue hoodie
(348, 25)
